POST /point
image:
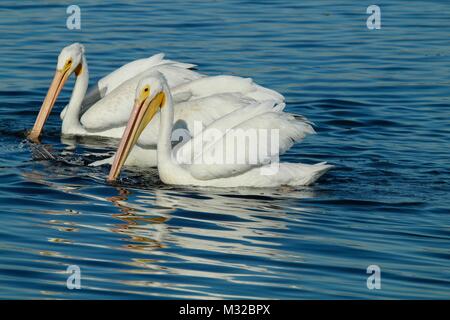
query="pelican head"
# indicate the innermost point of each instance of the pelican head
(69, 61)
(150, 98)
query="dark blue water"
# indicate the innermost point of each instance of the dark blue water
(380, 102)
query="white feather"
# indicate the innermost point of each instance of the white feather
(246, 134)
(115, 108)
(225, 83)
(108, 83)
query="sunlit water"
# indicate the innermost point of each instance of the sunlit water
(380, 102)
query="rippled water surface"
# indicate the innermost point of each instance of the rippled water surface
(380, 102)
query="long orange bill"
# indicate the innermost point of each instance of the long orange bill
(58, 82)
(143, 112)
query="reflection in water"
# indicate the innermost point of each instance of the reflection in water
(206, 221)
(145, 231)
(200, 233)
(210, 221)
(153, 240)
(386, 203)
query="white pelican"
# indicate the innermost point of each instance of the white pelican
(199, 99)
(204, 100)
(114, 91)
(153, 96)
(205, 110)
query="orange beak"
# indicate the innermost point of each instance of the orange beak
(57, 84)
(143, 112)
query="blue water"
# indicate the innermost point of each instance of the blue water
(380, 102)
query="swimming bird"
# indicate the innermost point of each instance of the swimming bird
(202, 110)
(202, 100)
(153, 96)
(113, 91)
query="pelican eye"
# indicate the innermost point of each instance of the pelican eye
(146, 91)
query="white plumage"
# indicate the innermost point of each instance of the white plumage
(181, 166)
(108, 83)
(203, 100)
(257, 122)
(201, 111)
(194, 100)
(98, 112)
(105, 110)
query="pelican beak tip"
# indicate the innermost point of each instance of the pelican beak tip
(33, 137)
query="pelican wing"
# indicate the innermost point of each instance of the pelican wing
(220, 84)
(132, 69)
(195, 114)
(245, 139)
(115, 108)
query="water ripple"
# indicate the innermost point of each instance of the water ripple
(380, 104)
